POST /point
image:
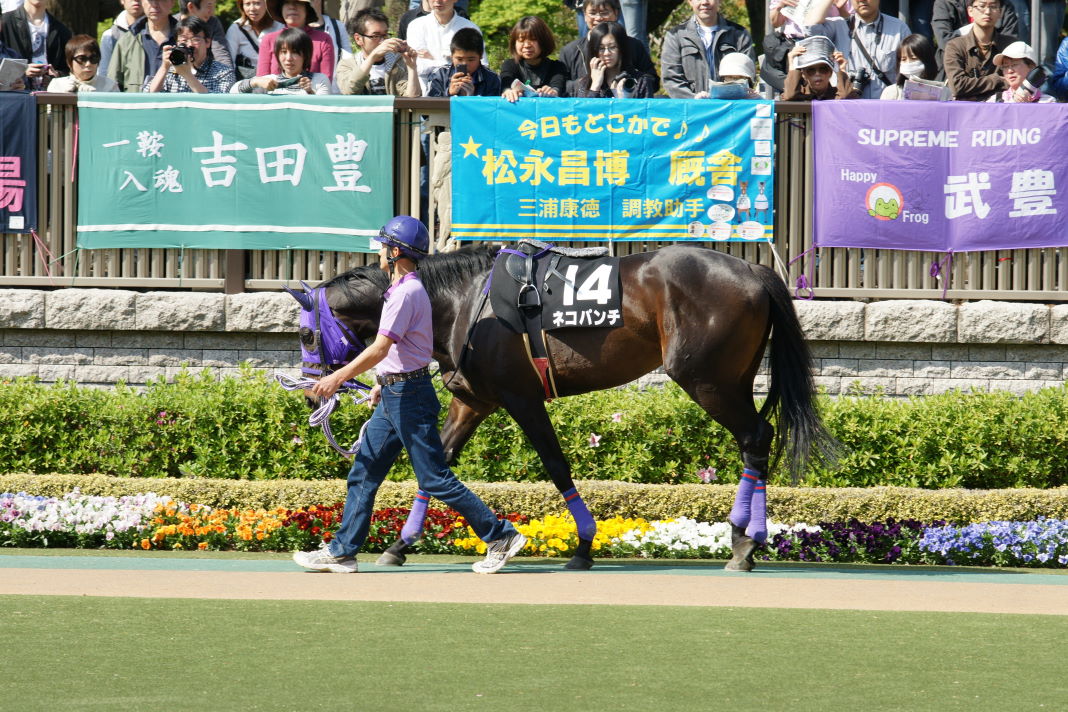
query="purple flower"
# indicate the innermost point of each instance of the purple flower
(595, 440)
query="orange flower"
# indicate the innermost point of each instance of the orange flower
(202, 545)
(146, 544)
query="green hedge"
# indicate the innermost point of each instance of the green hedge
(709, 503)
(250, 428)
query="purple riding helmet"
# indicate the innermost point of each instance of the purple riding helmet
(408, 234)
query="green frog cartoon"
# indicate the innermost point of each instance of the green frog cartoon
(885, 209)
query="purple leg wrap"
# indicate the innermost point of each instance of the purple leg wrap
(413, 528)
(740, 512)
(586, 526)
(758, 521)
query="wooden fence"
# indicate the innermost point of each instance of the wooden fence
(52, 260)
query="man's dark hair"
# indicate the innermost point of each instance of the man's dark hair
(467, 40)
(358, 25)
(195, 25)
(614, 4)
(295, 40)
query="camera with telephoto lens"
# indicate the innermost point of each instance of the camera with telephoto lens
(860, 78)
(626, 83)
(179, 55)
(1035, 79)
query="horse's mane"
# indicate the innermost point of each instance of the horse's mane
(440, 273)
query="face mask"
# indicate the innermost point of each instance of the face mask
(912, 69)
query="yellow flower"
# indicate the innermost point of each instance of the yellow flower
(202, 545)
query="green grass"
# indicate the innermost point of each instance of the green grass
(79, 653)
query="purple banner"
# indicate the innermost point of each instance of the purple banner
(940, 176)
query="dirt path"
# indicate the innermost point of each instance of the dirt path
(877, 589)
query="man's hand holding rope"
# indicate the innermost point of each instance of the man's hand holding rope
(371, 356)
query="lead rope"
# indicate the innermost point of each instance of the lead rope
(320, 417)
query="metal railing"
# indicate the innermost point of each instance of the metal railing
(52, 260)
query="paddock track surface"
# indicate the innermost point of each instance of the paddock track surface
(702, 584)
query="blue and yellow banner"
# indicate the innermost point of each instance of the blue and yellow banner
(612, 169)
(234, 171)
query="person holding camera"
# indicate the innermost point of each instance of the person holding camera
(612, 73)
(466, 76)
(811, 62)
(693, 50)
(1023, 75)
(245, 35)
(383, 64)
(868, 39)
(293, 51)
(187, 66)
(969, 59)
(575, 55)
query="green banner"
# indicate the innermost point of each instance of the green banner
(226, 171)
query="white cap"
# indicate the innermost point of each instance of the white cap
(818, 50)
(1017, 50)
(736, 64)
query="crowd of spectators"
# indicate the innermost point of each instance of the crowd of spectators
(974, 50)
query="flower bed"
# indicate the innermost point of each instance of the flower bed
(149, 521)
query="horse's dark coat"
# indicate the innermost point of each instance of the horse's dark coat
(702, 314)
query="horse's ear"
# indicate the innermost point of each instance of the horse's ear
(304, 299)
(307, 290)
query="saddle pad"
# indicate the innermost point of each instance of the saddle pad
(578, 293)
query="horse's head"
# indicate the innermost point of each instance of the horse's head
(327, 342)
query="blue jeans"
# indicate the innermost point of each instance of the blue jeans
(634, 19)
(407, 416)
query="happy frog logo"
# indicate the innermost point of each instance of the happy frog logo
(884, 201)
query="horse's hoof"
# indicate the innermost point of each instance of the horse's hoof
(737, 564)
(389, 559)
(394, 555)
(579, 563)
(742, 549)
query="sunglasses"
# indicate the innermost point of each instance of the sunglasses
(87, 59)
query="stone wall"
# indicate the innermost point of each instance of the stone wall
(903, 347)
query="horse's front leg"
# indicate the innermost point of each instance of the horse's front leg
(459, 425)
(532, 417)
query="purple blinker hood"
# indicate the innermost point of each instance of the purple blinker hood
(334, 344)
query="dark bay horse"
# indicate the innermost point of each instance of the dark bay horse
(704, 315)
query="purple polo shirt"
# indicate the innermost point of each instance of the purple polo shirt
(406, 320)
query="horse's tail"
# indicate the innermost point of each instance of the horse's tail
(800, 433)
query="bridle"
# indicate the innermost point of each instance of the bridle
(325, 344)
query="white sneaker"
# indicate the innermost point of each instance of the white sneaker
(322, 560)
(498, 552)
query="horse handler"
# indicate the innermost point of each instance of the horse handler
(405, 415)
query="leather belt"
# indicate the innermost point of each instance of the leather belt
(390, 378)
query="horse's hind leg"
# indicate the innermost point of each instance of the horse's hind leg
(732, 406)
(531, 416)
(460, 424)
